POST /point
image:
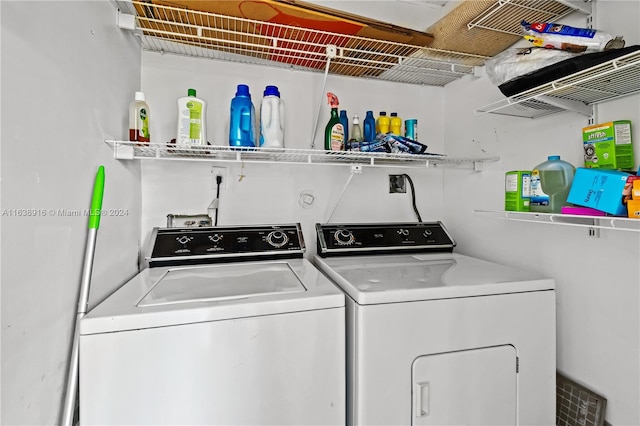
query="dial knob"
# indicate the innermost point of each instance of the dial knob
(277, 238)
(184, 239)
(344, 237)
(427, 233)
(215, 237)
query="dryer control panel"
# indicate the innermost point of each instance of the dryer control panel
(184, 246)
(350, 239)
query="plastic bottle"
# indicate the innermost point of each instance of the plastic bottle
(356, 132)
(411, 129)
(242, 127)
(383, 123)
(139, 114)
(369, 127)
(345, 125)
(334, 132)
(272, 119)
(395, 126)
(550, 185)
(192, 113)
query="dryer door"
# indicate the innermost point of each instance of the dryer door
(472, 387)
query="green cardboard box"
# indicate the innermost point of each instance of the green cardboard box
(517, 190)
(608, 146)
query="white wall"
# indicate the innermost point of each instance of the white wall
(68, 75)
(598, 299)
(271, 193)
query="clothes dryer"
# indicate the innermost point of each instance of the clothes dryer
(228, 325)
(439, 338)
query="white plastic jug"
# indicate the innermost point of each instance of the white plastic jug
(272, 119)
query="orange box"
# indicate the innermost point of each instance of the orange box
(633, 209)
(635, 190)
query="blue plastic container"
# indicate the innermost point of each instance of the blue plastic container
(242, 127)
(345, 125)
(369, 125)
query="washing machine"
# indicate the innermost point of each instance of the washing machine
(435, 337)
(227, 325)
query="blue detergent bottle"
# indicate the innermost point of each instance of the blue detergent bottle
(369, 127)
(345, 124)
(242, 127)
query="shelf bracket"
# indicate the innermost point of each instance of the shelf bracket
(126, 21)
(123, 152)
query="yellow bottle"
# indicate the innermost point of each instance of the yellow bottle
(383, 123)
(396, 124)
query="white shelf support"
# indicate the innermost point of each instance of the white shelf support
(568, 104)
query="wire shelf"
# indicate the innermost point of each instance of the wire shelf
(125, 150)
(610, 80)
(181, 31)
(596, 222)
(505, 15)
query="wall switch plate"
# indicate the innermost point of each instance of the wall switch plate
(222, 171)
(397, 184)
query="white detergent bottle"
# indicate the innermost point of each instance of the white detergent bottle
(272, 119)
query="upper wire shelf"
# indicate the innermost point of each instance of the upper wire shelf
(182, 31)
(609, 80)
(505, 15)
(125, 150)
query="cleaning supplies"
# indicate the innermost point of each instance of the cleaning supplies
(242, 128)
(356, 133)
(139, 115)
(334, 132)
(272, 119)
(369, 127)
(395, 124)
(192, 113)
(517, 190)
(383, 123)
(345, 125)
(550, 184)
(411, 129)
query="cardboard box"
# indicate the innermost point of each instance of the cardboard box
(599, 189)
(608, 146)
(517, 190)
(635, 190)
(633, 208)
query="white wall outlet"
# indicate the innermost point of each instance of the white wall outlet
(219, 171)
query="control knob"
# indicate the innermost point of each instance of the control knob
(344, 237)
(277, 238)
(184, 239)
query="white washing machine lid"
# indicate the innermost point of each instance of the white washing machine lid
(167, 296)
(413, 277)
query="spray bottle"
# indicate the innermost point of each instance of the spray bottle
(334, 132)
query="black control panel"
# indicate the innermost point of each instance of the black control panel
(183, 246)
(350, 239)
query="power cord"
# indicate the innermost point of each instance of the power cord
(215, 204)
(413, 196)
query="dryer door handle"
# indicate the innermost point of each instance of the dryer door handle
(421, 402)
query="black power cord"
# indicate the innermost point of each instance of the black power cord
(218, 182)
(413, 196)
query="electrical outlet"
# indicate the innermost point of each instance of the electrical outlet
(397, 184)
(219, 171)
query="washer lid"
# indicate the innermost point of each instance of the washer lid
(169, 296)
(404, 278)
(222, 282)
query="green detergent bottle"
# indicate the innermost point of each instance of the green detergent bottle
(550, 185)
